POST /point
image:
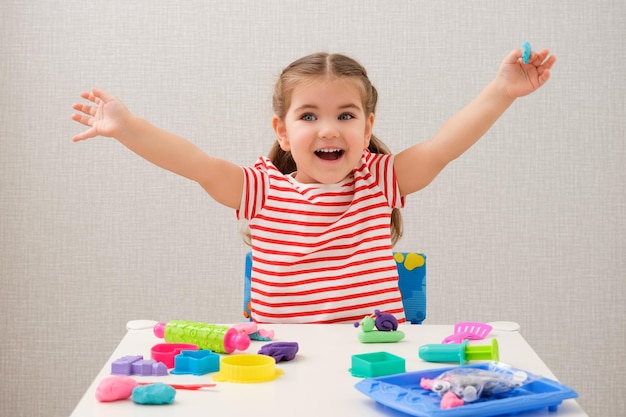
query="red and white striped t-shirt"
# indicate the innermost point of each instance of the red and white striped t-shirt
(321, 253)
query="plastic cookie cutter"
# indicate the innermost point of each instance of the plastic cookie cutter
(468, 331)
(247, 368)
(461, 353)
(196, 362)
(166, 352)
(369, 365)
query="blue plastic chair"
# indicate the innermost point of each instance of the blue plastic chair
(411, 281)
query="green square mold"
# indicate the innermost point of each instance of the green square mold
(369, 365)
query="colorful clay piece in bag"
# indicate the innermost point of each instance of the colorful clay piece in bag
(467, 385)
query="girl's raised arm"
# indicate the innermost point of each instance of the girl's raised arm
(107, 116)
(418, 165)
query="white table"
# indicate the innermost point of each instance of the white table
(316, 383)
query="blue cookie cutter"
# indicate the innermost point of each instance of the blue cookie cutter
(196, 362)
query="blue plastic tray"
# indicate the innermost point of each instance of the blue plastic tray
(402, 392)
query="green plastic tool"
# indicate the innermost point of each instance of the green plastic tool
(459, 352)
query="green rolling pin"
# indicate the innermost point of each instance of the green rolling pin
(459, 352)
(219, 339)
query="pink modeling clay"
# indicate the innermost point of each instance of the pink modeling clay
(251, 329)
(450, 400)
(113, 388)
(268, 334)
(426, 384)
(247, 327)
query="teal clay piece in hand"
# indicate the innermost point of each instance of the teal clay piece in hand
(526, 50)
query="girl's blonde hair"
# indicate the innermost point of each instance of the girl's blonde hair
(326, 65)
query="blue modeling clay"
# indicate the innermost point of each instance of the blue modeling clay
(156, 394)
(526, 49)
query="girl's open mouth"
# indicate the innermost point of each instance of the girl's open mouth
(329, 154)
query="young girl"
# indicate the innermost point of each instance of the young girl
(322, 209)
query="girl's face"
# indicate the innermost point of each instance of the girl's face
(325, 129)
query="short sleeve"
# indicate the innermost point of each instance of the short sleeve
(382, 169)
(255, 186)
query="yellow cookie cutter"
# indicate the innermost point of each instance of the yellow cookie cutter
(247, 368)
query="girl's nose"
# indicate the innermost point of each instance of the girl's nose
(328, 130)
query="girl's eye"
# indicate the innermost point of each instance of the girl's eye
(346, 116)
(308, 117)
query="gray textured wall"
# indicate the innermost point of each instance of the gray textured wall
(527, 226)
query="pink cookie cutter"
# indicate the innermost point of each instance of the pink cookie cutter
(166, 352)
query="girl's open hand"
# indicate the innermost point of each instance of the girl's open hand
(105, 116)
(522, 79)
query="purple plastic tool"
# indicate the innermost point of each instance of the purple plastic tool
(137, 365)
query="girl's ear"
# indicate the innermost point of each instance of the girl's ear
(281, 133)
(369, 128)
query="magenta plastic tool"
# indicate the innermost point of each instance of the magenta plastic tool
(468, 331)
(192, 387)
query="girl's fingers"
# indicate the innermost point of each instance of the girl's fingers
(541, 57)
(86, 95)
(82, 119)
(85, 135)
(85, 115)
(89, 95)
(549, 62)
(85, 108)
